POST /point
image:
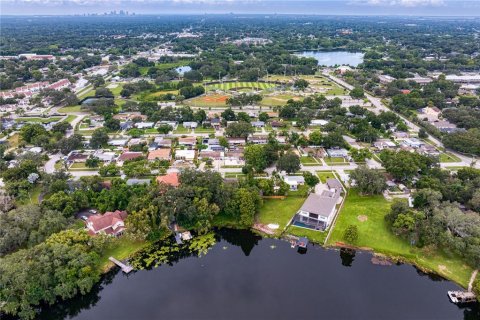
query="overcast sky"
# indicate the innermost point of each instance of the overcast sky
(320, 7)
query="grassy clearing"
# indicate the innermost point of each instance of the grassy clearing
(181, 129)
(14, 141)
(281, 211)
(85, 132)
(240, 85)
(70, 109)
(279, 100)
(210, 100)
(122, 248)
(38, 120)
(374, 234)
(70, 118)
(308, 159)
(204, 130)
(86, 93)
(325, 175)
(448, 157)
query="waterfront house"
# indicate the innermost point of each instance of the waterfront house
(111, 223)
(318, 211)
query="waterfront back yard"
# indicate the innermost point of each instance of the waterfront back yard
(367, 213)
(281, 211)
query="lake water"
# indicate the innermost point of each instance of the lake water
(181, 70)
(333, 58)
(246, 277)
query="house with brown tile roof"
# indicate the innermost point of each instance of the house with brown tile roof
(128, 155)
(160, 154)
(111, 223)
(187, 141)
(169, 179)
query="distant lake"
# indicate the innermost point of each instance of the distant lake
(181, 70)
(244, 276)
(332, 58)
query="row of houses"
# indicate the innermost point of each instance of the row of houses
(31, 89)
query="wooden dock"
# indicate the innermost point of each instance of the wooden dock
(125, 268)
(460, 297)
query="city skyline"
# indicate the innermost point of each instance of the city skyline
(314, 7)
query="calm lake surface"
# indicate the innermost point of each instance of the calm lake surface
(246, 277)
(332, 58)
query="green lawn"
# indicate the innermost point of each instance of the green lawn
(335, 161)
(122, 248)
(204, 130)
(312, 235)
(308, 159)
(38, 119)
(181, 129)
(86, 93)
(325, 175)
(85, 132)
(279, 100)
(70, 109)
(281, 211)
(336, 91)
(240, 85)
(448, 157)
(374, 234)
(70, 118)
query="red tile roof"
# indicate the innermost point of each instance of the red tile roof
(169, 179)
(162, 154)
(129, 156)
(109, 222)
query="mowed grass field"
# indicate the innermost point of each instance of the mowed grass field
(373, 233)
(279, 100)
(240, 85)
(211, 100)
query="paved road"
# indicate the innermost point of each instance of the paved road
(50, 165)
(74, 123)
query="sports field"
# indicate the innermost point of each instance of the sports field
(211, 100)
(240, 85)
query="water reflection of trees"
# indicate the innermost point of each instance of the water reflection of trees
(73, 307)
(244, 239)
(348, 256)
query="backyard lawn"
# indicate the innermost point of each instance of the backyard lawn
(121, 249)
(279, 211)
(312, 235)
(374, 234)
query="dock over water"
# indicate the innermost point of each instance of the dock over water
(125, 268)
